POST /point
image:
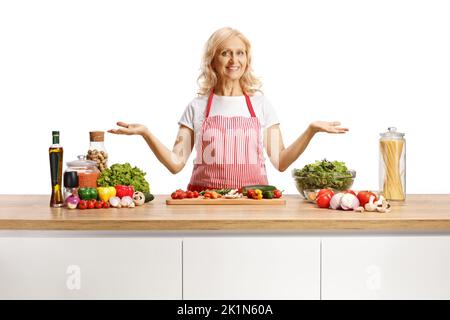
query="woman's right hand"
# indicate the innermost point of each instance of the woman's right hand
(129, 129)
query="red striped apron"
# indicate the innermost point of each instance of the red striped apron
(229, 152)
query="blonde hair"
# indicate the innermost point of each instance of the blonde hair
(207, 79)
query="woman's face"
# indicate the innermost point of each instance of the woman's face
(230, 62)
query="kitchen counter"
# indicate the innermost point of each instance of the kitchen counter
(226, 252)
(419, 213)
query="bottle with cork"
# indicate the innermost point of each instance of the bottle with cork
(56, 157)
(97, 151)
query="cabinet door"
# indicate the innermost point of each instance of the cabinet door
(409, 267)
(251, 268)
(90, 268)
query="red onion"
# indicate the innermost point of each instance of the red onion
(72, 201)
(349, 202)
(335, 202)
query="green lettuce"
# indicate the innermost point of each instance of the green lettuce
(324, 174)
(124, 174)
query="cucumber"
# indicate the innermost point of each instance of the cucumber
(149, 197)
(262, 187)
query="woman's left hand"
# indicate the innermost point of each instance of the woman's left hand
(325, 126)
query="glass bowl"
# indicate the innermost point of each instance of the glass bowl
(308, 186)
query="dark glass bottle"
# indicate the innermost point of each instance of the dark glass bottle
(56, 159)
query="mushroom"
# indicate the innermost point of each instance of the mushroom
(383, 205)
(370, 206)
(138, 198)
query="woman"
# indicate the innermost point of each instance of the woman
(229, 123)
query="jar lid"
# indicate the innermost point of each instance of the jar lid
(392, 134)
(70, 179)
(97, 136)
(82, 162)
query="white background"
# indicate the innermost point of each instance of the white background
(77, 66)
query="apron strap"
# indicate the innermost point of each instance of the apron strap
(208, 106)
(247, 100)
(249, 105)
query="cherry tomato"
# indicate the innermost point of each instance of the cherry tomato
(82, 204)
(195, 194)
(180, 194)
(174, 195)
(91, 204)
(364, 197)
(189, 194)
(106, 204)
(98, 204)
(323, 201)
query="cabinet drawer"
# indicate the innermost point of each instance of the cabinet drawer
(251, 268)
(409, 267)
(90, 268)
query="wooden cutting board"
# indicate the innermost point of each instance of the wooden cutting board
(220, 201)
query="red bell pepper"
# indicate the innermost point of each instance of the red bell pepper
(277, 194)
(250, 193)
(122, 191)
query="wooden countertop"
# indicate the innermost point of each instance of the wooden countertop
(417, 213)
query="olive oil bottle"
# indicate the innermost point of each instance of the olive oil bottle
(56, 159)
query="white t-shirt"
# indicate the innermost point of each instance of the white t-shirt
(228, 106)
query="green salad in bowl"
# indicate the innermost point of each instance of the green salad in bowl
(323, 174)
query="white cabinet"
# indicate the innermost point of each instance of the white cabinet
(259, 267)
(383, 267)
(90, 268)
(282, 267)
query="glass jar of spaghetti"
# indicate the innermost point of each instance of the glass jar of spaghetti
(392, 174)
(87, 172)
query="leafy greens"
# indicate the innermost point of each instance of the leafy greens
(324, 174)
(124, 174)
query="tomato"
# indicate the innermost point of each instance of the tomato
(106, 204)
(324, 201)
(327, 192)
(195, 194)
(98, 204)
(91, 204)
(189, 194)
(180, 194)
(350, 191)
(82, 204)
(364, 197)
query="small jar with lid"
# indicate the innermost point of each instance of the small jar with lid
(87, 172)
(70, 184)
(393, 164)
(97, 151)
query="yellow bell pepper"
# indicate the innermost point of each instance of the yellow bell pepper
(258, 195)
(105, 193)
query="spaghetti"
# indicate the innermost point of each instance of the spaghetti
(393, 186)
